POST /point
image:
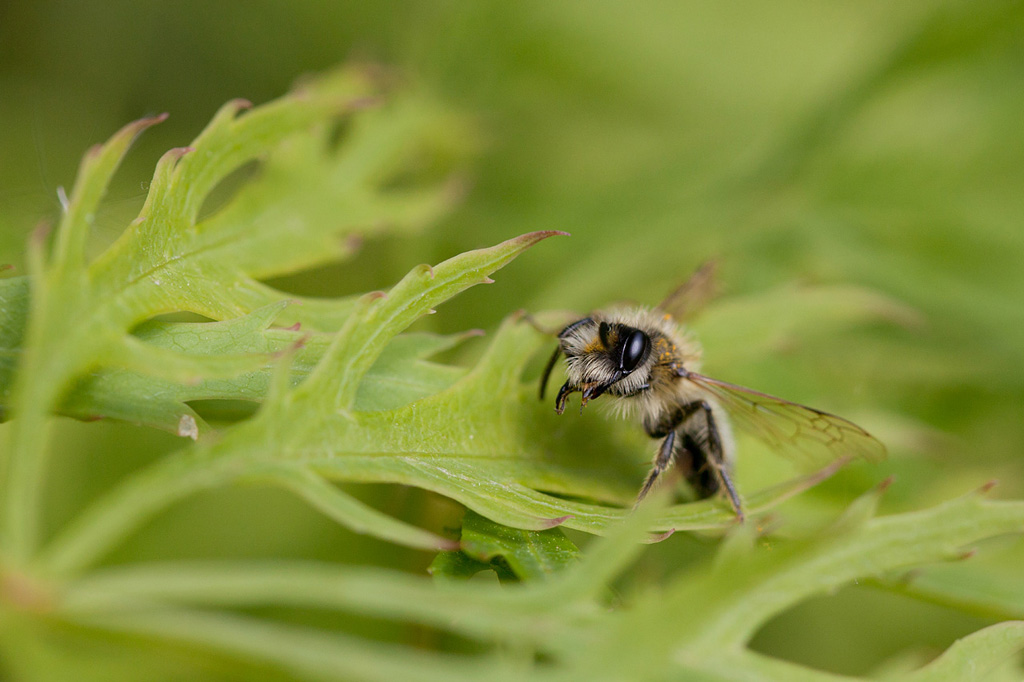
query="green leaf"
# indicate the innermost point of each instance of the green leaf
(456, 565)
(486, 460)
(974, 656)
(307, 427)
(347, 510)
(301, 651)
(402, 373)
(531, 555)
(715, 608)
(734, 602)
(173, 259)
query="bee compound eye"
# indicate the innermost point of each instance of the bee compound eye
(633, 350)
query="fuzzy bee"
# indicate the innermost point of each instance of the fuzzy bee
(648, 364)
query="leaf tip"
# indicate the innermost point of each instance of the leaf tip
(659, 537)
(987, 486)
(132, 130)
(175, 153)
(544, 234)
(527, 240)
(137, 126)
(547, 524)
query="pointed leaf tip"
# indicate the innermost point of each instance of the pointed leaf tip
(660, 537)
(131, 130)
(987, 486)
(553, 523)
(175, 153)
(525, 241)
(533, 237)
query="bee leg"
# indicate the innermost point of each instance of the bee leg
(716, 460)
(563, 395)
(661, 462)
(707, 470)
(667, 428)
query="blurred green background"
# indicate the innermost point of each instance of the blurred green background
(802, 144)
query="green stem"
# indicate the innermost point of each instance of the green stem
(128, 506)
(23, 488)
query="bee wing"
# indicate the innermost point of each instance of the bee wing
(789, 427)
(693, 294)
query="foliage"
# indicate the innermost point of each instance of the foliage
(380, 441)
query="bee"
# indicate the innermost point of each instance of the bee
(648, 364)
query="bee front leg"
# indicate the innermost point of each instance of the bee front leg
(563, 395)
(661, 462)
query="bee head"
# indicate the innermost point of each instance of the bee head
(599, 355)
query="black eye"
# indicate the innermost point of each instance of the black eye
(633, 351)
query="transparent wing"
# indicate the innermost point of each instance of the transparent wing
(792, 429)
(693, 294)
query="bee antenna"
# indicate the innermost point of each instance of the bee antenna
(547, 370)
